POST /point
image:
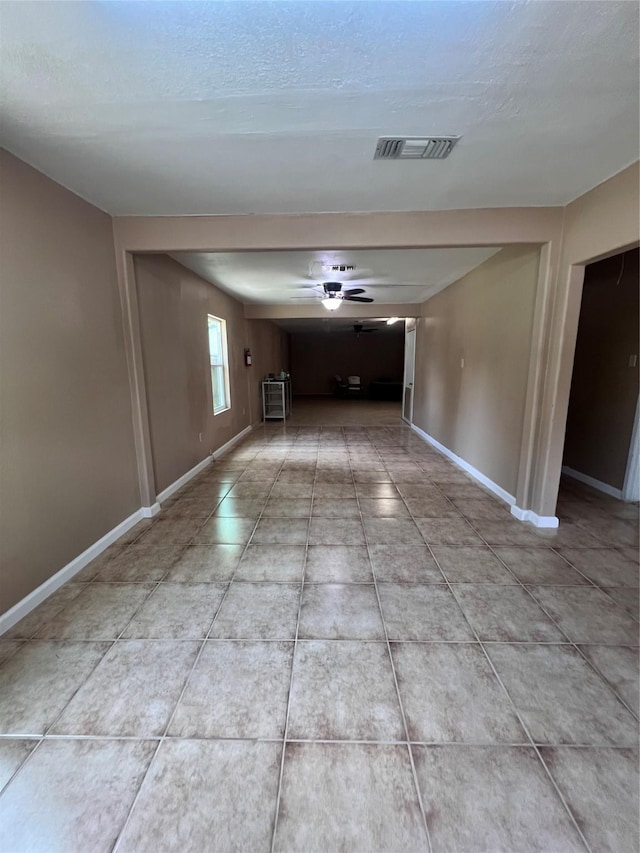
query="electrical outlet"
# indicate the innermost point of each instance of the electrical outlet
(200, 436)
(462, 362)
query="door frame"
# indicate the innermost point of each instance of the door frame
(631, 487)
(409, 331)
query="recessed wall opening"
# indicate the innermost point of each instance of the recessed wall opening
(601, 432)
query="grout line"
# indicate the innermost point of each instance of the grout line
(185, 685)
(18, 769)
(414, 773)
(37, 739)
(515, 710)
(569, 641)
(293, 662)
(519, 717)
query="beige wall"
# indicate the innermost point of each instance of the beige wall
(270, 348)
(173, 305)
(604, 388)
(68, 471)
(317, 357)
(602, 222)
(485, 318)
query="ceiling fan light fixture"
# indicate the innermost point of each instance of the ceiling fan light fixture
(331, 302)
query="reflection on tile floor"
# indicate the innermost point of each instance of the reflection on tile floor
(332, 640)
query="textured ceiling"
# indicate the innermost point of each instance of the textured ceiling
(200, 107)
(387, 275)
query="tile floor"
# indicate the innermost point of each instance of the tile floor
(332, 640)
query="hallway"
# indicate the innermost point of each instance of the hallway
(332, 640)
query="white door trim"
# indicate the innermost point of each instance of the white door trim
(631, 487)
(408, 332)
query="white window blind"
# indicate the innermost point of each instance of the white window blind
(219, 358)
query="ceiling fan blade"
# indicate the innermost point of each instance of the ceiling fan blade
(357, 298)
(354, 291)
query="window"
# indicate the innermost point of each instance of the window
(219, 358)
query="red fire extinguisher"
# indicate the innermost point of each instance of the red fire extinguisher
(247, 358)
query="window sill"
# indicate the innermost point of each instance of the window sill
(221, 411)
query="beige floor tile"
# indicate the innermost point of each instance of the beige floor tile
(281, 531)
(336, 531)
(334, 491)
(73, 795)
(539, 566)
(448, 531)
(387, 531)
(462, 564)
(8, 648)
(260, 611)
(338, 564)
(587, 615)
(225, 531)
(601, 789)
(340, 612)
(272, 563)
(604, 566)
(133, 691)
(12, 755)
(404, 564)
(559, 697)
(140, 563)
(226, 788)
(238, 689)
(206, 564)
(31, 624)
(38, 681)
(627, 598)
(332, 508)
(287, 508)
(505, 614)
(492, 798)
(383, 508)
(451, 695)
(422, 612)
(619, 666)
(355, 797)
(343, 690)
(239, 508)
(99, 612)
(177, 611)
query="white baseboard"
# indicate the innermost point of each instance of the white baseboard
(38, 595)
(182, 481)
(236, 438)
(591, 481)
(150, 511)
(548, 521)
(477, 475)
(42, 592)
(193, 472)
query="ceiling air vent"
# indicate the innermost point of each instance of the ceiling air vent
(415, 147)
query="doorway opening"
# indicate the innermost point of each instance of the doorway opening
(601, 437)
(409, 373)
